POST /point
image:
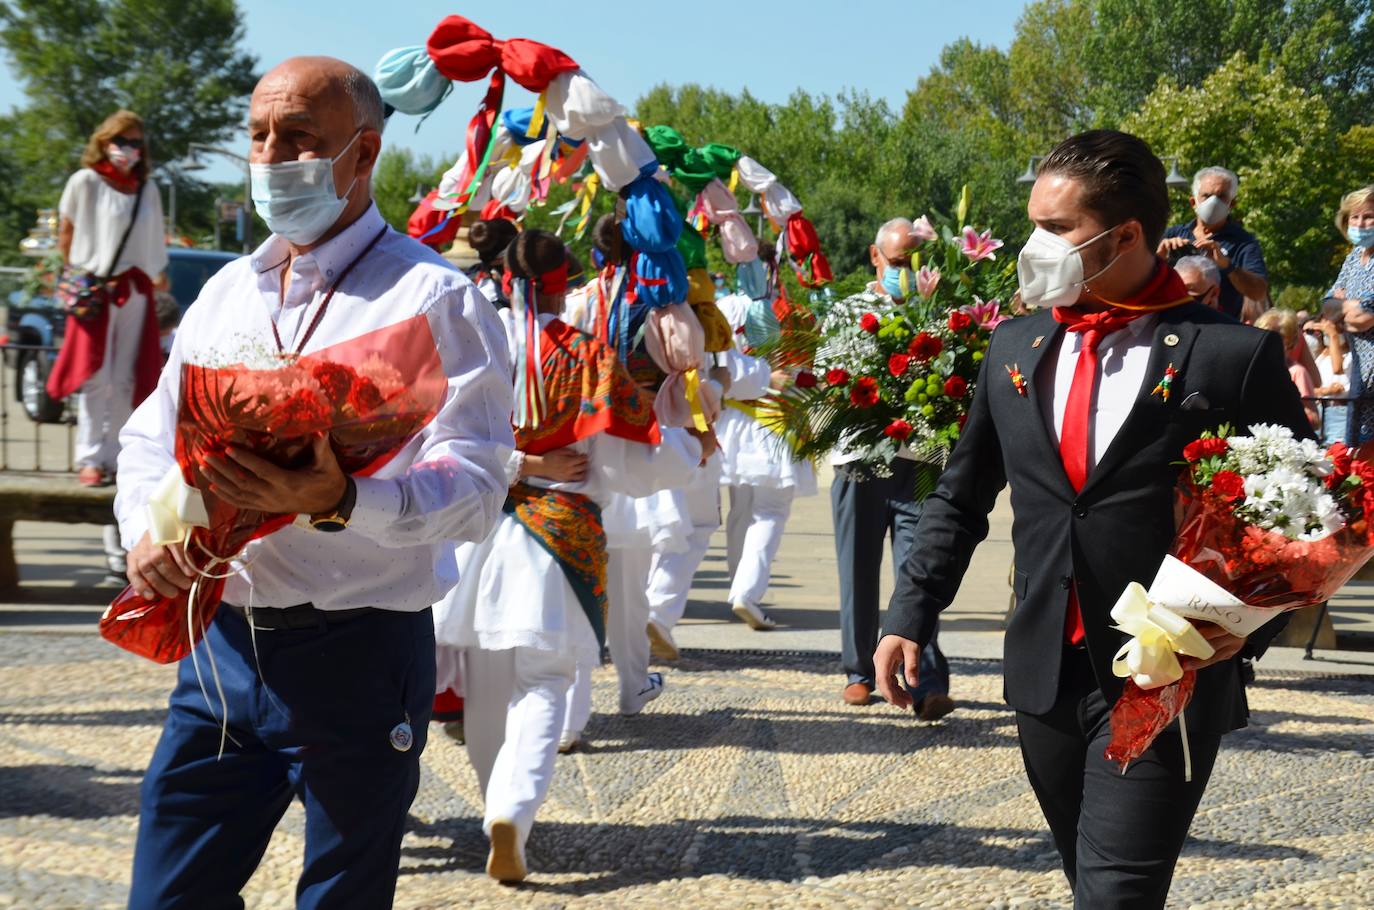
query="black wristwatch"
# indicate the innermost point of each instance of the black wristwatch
(336, 519)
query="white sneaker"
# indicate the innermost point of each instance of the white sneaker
(653, 688)
(758, 620)
(569, 742)
(661, 644)
(506, 861)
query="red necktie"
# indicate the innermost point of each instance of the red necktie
(1075, 434)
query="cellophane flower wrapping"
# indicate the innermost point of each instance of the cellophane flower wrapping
(1278, 523)
(371, 395)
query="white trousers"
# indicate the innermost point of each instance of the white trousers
(107, 398)
(513, 711)
(753, 533)
(670, 576)
(627, 635)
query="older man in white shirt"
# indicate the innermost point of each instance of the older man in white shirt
(328, 694)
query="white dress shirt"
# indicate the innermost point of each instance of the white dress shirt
(1122, 358)
(447, 484)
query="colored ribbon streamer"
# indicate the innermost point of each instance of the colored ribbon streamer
(692, 388)
(1158, 636)
(588, 193)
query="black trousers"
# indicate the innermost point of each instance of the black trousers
(1119, 836)
(867, 510)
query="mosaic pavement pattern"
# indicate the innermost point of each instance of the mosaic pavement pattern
(747, 785)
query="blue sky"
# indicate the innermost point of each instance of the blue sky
(771, 48)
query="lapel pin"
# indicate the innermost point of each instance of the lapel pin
(1166, 384)
(1036, 342)
(1017, 380)
(1171, 340)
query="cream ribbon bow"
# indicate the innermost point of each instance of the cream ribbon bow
(174, 509)
(1158, 636)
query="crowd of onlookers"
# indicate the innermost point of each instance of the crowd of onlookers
(1330, 350)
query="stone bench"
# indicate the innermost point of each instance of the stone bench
(26, 496)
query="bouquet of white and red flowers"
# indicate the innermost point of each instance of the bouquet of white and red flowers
(1267, 523)
(892, 375)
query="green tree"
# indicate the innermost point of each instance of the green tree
(178, 63)
(398, 175)
(1283, 143)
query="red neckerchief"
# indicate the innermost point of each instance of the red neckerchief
(124, 182)
(1164, 291)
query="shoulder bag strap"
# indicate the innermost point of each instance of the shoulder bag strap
(123, 241)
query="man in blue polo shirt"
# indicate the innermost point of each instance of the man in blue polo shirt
(1235, 250)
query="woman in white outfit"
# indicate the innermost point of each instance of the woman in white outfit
(529, 606)
(111, 227)
(758, 471)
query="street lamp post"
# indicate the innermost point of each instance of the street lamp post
(247, 188)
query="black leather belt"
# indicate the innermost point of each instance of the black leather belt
(301, 616)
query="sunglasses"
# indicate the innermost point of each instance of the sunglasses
(126, 143)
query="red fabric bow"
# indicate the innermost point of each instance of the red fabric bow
(554, 281)
(464, 51)
(805, 247)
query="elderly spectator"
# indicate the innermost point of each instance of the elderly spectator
(323, 645)
(1216, 235)
(1202, 278)
(872, 502)
(1285, 324)
(1354, 287)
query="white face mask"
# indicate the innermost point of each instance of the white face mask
(297, 198)
(1051, 269)
(1213, 210)
(122, 158)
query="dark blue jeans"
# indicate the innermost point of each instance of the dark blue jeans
(315, 724)
(867, 511)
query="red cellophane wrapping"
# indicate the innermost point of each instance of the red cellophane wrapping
(1263, 569)
(371, 395)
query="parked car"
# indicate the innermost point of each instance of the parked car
(35, 325)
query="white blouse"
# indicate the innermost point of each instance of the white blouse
(99, 214)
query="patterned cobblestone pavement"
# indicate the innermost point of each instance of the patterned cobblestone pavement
(747, 785)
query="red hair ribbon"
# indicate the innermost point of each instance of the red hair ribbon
(465, 52)
(554, 281)
(805, 247)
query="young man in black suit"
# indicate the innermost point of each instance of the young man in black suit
(1090, 451)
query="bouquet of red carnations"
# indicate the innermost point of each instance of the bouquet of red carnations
(371, 395)
(1268, 523)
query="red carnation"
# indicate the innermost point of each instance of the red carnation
(898, 363)
(925, 346)
(837, 377)
(958, 321)
(956, 387)
(899, 430)
(365, 396)
(865, 392)
(1339, 454)
(869, 323)
(1192, 452)
(1228, 485)
(806, 380)
(1199, 449)
(334, 378)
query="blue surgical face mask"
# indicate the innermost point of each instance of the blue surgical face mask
(898, 282)
(1361, 237)
(297, 198)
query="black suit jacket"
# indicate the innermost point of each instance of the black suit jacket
(1118, 528)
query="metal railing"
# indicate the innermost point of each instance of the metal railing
(27, 444)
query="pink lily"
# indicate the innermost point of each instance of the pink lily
(978, 247)
(986, 314)
(923, 230)
(927, 279)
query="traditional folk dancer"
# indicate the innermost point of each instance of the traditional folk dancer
(530, 605)
(760, 474)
